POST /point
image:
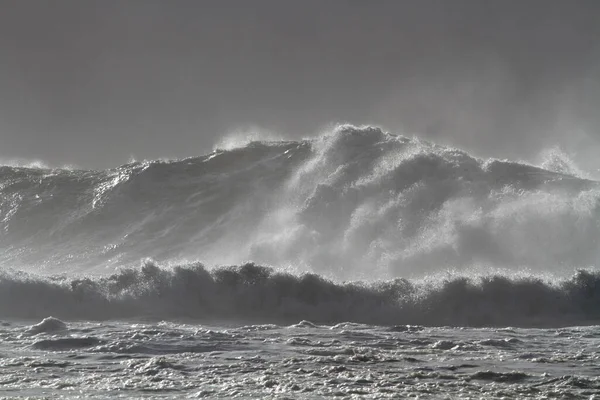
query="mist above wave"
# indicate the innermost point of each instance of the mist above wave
(253, 293)
(355, 203)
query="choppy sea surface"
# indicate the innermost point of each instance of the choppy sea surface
(117, 359)
(360, 264)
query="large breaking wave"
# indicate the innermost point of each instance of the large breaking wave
(357, 203)
(354, 204)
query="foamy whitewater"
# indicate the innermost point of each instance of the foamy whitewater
(359, 264)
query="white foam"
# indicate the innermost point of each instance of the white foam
(48, 325)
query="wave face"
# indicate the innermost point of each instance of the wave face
(357, 203)
(258, 294)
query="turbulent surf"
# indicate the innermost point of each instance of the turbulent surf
(357, 264)
(357, 204)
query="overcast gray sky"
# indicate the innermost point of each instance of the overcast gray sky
(93, 83)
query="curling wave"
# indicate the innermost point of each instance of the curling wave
(253, 293)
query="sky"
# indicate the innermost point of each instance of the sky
(96, 83)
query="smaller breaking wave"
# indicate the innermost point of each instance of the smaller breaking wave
(252, 293)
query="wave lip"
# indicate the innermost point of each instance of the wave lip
(262, 295)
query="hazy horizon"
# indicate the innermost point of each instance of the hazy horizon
(94, 84)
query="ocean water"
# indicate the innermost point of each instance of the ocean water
(360, 264)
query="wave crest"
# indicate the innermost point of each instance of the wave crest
(259, 294)
(357, 203)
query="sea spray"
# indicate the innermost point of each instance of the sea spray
(356, 203)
